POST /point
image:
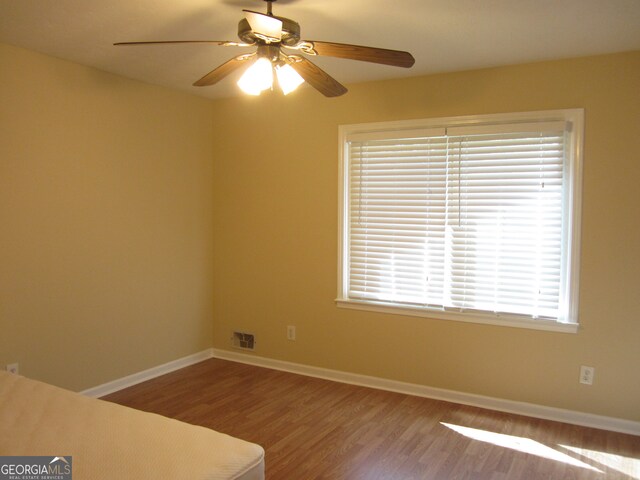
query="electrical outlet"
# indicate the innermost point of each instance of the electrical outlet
(12, 368)
(291, 332)
(586, 375)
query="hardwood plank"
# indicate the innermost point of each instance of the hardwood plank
(318, 429)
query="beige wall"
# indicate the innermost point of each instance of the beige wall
(275, 247)
(105, 222)
(112, 237)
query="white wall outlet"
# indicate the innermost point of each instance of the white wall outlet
(586, 375)
(291, 332)
(12, 368)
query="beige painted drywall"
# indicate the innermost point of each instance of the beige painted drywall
(108, 255)
(105, 222)
(275, 247)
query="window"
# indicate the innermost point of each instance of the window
(467, 218)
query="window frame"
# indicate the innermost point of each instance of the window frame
(572, 203)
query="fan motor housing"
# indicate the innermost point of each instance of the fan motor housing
(290, 32)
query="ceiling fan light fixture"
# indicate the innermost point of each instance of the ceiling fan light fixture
(270, 34)
(257, 78)
(288, 78)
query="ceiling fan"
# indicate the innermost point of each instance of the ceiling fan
(279, 48)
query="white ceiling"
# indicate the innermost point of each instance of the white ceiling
(442, 35)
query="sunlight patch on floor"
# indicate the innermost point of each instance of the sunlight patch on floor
(521, 444)
(628, 466)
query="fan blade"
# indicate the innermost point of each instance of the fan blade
(316, 77)
(395, 58)
(217, 74)
(264, 26)
(216, 42)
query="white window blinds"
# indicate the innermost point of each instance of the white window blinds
(463, 219)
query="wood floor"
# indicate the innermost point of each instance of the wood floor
(318, 429)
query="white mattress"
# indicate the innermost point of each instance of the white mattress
(110, 441)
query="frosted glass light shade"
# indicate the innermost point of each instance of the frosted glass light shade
(288, 78)
(257, 78)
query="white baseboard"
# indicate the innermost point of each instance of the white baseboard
(501, 405)
(130, 380)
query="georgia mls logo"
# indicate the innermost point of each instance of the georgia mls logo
(36, 468)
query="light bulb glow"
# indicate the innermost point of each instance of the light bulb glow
(257, 78)
(288, 78)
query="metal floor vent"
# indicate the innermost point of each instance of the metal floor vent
(244, 341)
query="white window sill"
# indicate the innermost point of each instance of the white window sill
(497, 319)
